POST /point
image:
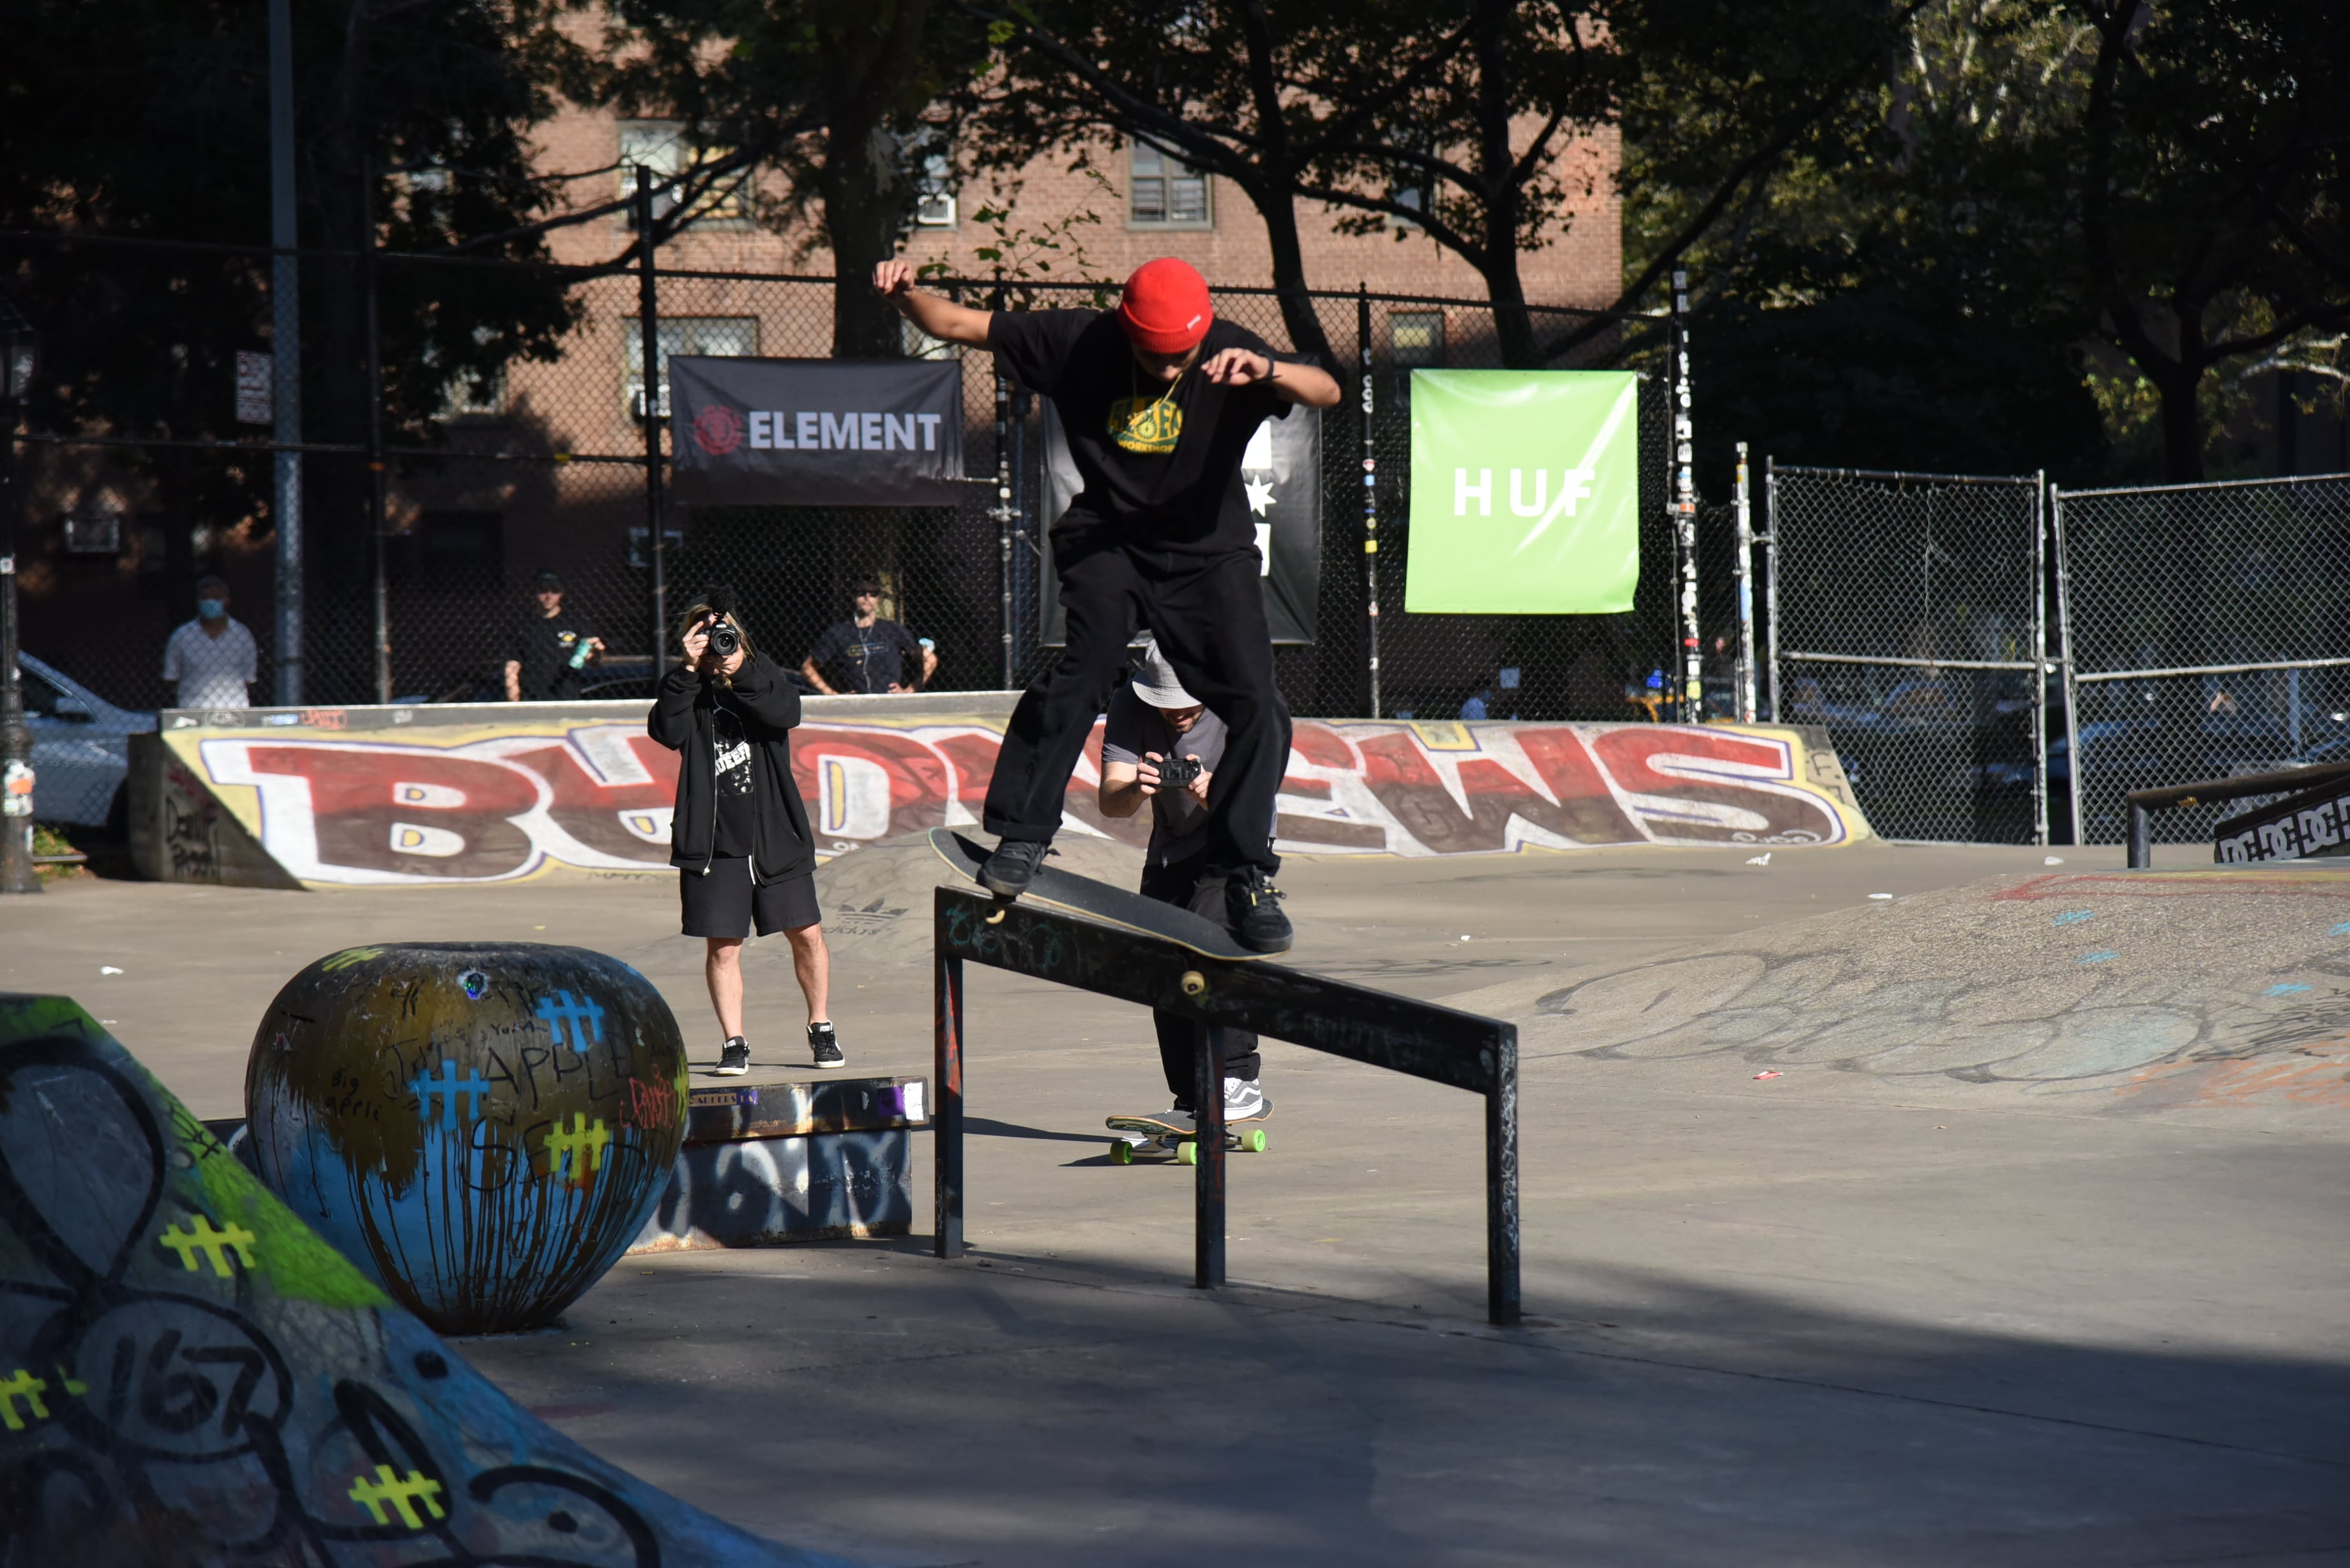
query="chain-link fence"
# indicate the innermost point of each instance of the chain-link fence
(2205, 630)
(507, 428)
(1910, 621)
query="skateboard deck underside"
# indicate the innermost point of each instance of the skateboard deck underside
(1068, 893)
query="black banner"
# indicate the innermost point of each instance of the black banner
(816, 432)
(1283, 474)
(2316, 822)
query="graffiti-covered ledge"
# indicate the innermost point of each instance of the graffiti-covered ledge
(499, 792)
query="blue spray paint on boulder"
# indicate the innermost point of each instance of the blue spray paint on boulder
(480, 1129)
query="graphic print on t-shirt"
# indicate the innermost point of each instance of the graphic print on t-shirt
(1151, 427)
(731, 779)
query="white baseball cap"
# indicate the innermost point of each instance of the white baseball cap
(1155, 681)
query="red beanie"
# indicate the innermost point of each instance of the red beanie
(1165, 309)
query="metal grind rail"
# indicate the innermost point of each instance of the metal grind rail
(1439, 1043)
(2144, 803)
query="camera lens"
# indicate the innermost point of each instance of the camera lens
(725, 642)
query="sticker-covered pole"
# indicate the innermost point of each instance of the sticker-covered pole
(648, 329)
(1208, 1124)
(1684, 509)
(1743, 568)
(1371, 483)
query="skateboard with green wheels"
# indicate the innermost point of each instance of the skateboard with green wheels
(1176, 1136)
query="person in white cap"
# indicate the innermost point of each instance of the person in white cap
(1152, 719)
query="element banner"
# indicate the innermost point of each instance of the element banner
(816, 432)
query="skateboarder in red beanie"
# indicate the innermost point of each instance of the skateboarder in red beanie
(1158, 400)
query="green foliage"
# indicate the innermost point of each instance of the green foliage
(1021, 257)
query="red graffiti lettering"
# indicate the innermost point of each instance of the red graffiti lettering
(1693, 778)
(410, 811)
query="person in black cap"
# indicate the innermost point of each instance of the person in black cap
(868, 654)
(549, 648)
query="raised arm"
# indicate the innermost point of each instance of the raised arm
(942, 318)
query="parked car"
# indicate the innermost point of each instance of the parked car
(81, 747)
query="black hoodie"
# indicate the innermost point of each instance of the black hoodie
(769, 706)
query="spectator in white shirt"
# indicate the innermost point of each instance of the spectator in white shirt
(211, 657)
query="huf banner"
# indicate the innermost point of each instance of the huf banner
(816, 432)
(1526, 493)
(1282, 472)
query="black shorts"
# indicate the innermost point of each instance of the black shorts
(725, 903)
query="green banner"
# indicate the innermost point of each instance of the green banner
(1526, 493)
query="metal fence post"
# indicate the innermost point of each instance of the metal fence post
(1370, 482)
(649, 326)
(1770, 580)
(1684, 509)
(2040, 656)
(285, 363)
(946, 1129)
(1742, 568)
(371, 296)
(2065, 655)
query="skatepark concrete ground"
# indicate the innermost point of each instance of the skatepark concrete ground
(1996, 1270)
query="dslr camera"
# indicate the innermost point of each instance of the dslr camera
(725, 640)
(1177, 772)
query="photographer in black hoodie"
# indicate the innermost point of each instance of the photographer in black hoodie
(738, 837)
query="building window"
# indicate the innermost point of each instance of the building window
(1416, 339)
(1410, 185)
(716, 337)
(1165, 193)
(934, 192)
(661, 145)
(94, 526)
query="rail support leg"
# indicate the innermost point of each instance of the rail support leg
(1502, 1186)
(946, 1132)
(1208, 1110)
(2141, 838)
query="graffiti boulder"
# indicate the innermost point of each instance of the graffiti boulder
(482, 1128)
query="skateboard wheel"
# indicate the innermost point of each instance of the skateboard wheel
(1193, 982)
(1253, 1140)
(1187, 1153)
(1121, 1152)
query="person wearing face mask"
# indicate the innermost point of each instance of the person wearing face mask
(211, 661)
(1158, 400)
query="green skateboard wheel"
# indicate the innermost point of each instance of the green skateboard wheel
(1187, 1152)
(1121, 1152)
(1253, 1140)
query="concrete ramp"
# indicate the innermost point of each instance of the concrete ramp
(190, 1376)
(2121, 992)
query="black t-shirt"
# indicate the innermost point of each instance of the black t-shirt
(543, 647)
(1161, 465)
(731, 758)
(865, 659)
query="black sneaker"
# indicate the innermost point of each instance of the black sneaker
(1253, 905)
(1013, 866)
(824, 1046)
(735, 1060)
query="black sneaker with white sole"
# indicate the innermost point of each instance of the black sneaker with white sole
(1253, 905)
(1013, 866)
(736, 1059)
(824, 1046)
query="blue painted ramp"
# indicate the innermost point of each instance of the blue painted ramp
(190, 1376)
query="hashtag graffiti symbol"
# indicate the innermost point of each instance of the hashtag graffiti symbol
(27, 1388)
(580, 1149)
(448, 1087)
(583, 1016)
(385, 1493)
(215, 1245)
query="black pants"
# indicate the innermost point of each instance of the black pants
(1186, 884)
(1208, 618)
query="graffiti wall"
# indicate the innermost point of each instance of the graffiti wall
(501, 795)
